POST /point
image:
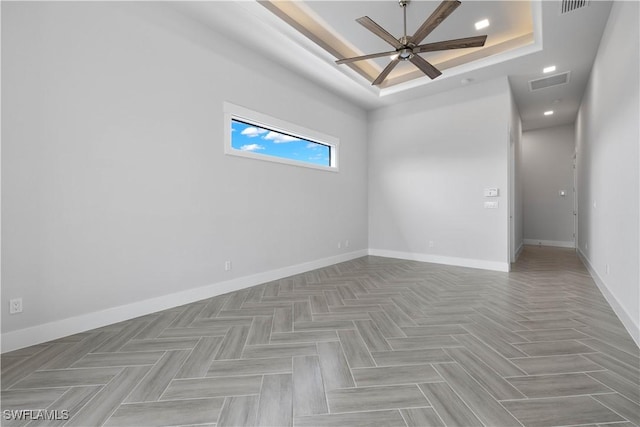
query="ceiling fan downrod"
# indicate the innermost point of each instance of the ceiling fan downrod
(406, 52)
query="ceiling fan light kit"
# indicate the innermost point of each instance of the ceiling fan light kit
(408, 48)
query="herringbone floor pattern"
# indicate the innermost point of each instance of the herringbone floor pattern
(372, 341)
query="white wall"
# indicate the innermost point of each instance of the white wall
(547, 160)
(516, 182)
(607, 138)
(115, 186)
(429, 161)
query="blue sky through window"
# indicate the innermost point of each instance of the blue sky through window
(252, 138)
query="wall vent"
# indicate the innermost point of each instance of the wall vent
(567, 6)
(555, 80)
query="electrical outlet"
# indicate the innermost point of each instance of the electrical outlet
(606, 268)
(432, 244)
(346, 243)
(339, 245)
(227, 266)
(15, 306)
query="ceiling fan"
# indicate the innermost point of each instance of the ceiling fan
(409, 48)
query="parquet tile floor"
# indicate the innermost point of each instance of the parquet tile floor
(370, 342)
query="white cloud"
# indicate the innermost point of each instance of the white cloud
(251, 147)
(252, 132)
(279, 138)
(313, 146)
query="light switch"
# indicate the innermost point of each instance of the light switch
(491, 192)
(491, 205)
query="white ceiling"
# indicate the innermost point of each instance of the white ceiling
(569, 41)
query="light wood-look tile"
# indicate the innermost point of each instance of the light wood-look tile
(308, 389)
(561, 411)
(276, 401)
(449, 406)
(375, 398)
(368, 342)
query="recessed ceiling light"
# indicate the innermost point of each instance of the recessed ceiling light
(482, 24)
(549, 69)
(548, 113)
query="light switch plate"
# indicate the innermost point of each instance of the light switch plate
(491, 192)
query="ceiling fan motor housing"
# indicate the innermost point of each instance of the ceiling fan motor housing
(405, 53)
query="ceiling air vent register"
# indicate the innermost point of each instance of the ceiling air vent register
(545, 82)
(567, 6)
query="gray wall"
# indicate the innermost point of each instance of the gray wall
(429, 161)
(547, 165)
(115, 186)
(516, 182)
(607, 138)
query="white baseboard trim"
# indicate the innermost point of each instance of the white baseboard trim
(518, 251)
(556, 243)
(438, 259)
(61, 328)
(627, 320)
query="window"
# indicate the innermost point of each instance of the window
(258, 136)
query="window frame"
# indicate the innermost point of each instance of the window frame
(245, 115)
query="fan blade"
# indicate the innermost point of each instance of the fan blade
(425, 66)
(376, 29)
(383, 75)
(445, 9)
(363, 57)
(476, 41)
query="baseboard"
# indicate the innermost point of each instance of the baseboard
(61, 328)
(438, 259)
(626, 319)
(556, 243)
(518, 251)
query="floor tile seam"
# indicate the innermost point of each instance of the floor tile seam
(616, 376)
(95, 396)
(78, 410)
(614, 391)
(372, 410)
(184, 399)
(611, 409)
(344, 354)
(563, 396)
(441, 380)
(405, 420)
(510, 413)
(495, 350)
(463, 400)
(177, 370)
(260, 395)
(613, 357)
(552, 374)
(357, 331)
(473, 376)
(61, 387)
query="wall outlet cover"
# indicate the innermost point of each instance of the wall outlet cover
(491, 205)
(15, 306)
